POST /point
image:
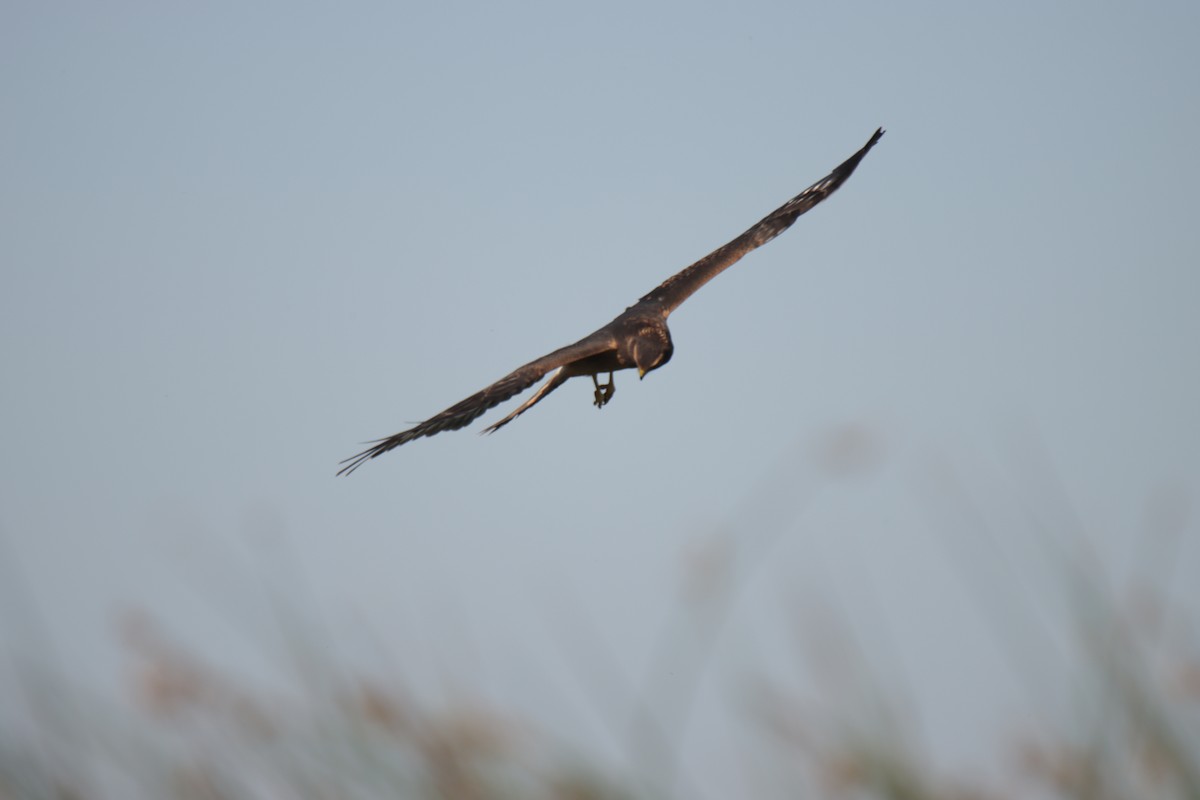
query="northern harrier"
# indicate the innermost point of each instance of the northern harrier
(638, 338)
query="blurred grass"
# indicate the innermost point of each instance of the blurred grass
(208, 738)
(191, 732)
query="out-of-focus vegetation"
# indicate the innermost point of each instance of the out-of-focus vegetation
(202, 736)
(188, 731)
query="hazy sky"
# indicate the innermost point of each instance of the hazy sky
(238, 241)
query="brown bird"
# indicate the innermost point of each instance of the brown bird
(638, 338)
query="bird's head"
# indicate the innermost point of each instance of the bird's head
(651, 349)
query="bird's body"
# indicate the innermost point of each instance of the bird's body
(637, 339)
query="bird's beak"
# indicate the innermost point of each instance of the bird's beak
(641, 373)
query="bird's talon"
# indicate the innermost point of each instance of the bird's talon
(604, 392)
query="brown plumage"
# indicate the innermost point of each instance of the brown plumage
(638, 338)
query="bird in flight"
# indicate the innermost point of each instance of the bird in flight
(636, 339)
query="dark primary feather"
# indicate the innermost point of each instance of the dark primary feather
(668, 295)
(465, 412)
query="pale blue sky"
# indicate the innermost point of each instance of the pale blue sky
(239, 241)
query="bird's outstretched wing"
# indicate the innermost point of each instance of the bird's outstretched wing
(667, 296)
(512, 384)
